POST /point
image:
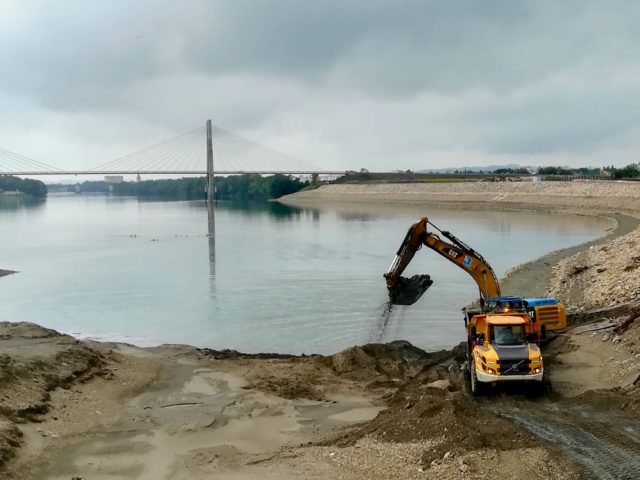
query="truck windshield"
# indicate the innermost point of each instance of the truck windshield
(508, 335)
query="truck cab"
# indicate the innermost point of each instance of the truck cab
(502, 347)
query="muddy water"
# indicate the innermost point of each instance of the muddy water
(274, 278)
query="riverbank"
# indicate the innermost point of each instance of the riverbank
(609, 196)
(98, 411)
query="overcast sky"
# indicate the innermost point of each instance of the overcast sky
(341, 84)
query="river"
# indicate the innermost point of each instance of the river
(273, 278)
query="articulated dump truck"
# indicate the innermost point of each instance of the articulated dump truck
(503, 335)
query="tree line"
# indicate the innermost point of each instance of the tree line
(630, 171)
(28, 186)
(236, 187)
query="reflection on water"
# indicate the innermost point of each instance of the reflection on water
(272, 278)
(276, 211)
(18, 203)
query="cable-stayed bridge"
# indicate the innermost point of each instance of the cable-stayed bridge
(185, 154)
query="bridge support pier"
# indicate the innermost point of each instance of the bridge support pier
(211, 189)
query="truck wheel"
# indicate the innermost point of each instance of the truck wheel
(476, 386)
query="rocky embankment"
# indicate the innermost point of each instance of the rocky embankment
(587, 197)
(600, 276)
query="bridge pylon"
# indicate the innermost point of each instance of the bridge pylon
(211, 189)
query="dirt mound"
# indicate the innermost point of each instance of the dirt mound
(388, 361)
(10, 439)
(228, 354)
(34, 361)
(434, 408)
(292, 378)
(374, 365)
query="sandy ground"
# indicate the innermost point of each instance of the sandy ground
(97, 411)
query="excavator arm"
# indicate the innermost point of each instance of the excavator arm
(407, 291)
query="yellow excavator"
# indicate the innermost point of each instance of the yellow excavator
(504, 334)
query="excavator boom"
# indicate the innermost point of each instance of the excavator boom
(407, 291)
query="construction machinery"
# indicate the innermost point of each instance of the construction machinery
(503, 334)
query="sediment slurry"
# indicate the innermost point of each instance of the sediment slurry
(379, 411)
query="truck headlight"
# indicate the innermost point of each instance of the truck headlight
(536, 370)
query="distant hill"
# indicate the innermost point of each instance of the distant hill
(488, 168)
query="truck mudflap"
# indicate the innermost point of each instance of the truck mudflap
(488, 377)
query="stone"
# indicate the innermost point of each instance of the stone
(448, 455)
(441, 384)
(605, 337)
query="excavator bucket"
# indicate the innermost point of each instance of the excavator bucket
(407, 291)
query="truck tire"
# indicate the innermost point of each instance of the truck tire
(476, 387)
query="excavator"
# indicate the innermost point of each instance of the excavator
(503, 335)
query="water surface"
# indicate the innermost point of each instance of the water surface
(274, 278)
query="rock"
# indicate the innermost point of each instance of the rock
(617, 339)
(464, 468)
(601, 269)
(332, 454)
(442, 384)
(605, 337)
(577, 270)
(448, 455)
(420, 469)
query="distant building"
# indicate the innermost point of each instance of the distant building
(113, 178)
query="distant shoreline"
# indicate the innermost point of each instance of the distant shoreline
(6, 272)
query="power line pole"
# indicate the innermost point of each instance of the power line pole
(210, 185)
